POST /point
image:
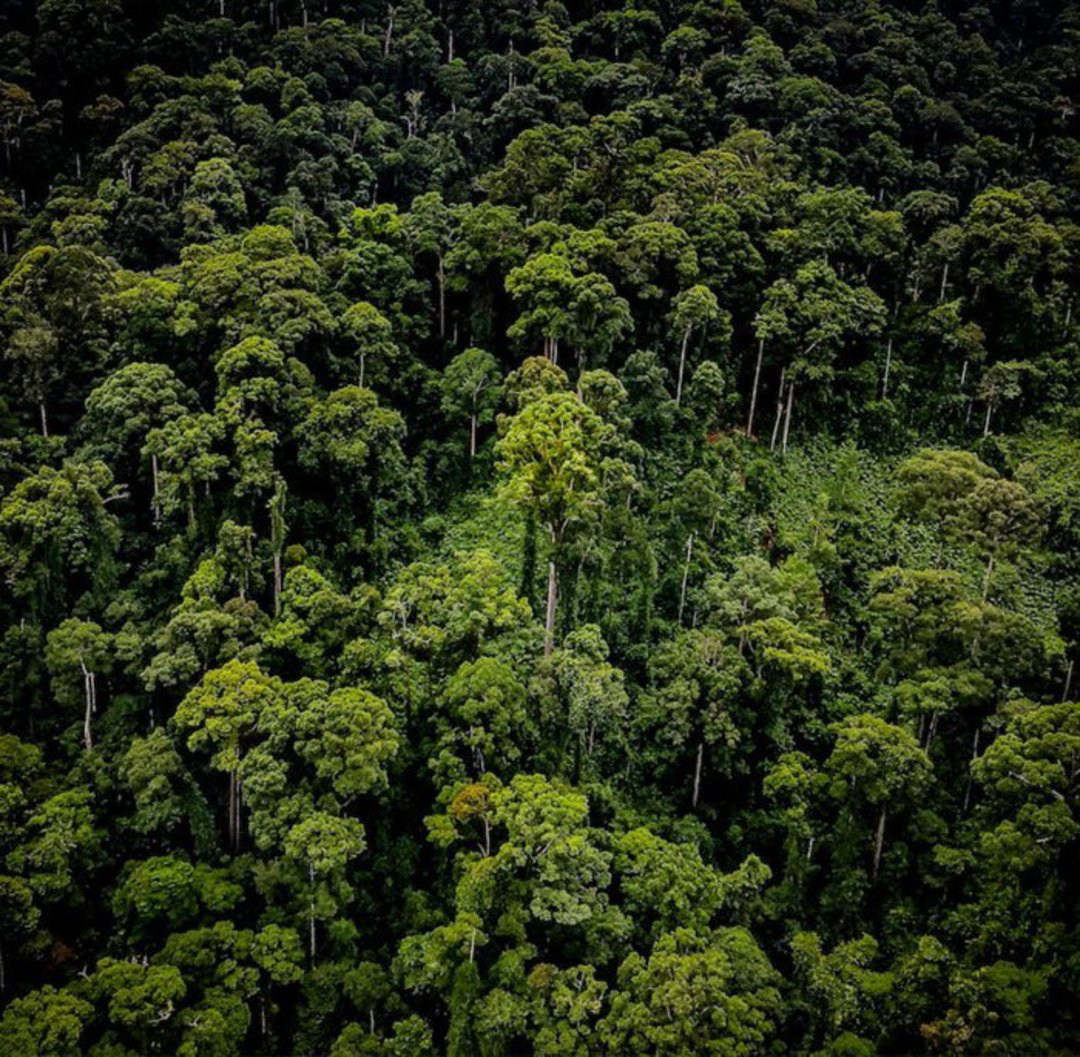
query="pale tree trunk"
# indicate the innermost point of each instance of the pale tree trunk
(44, 418)
(682, 366)
(888, 364)
(963, 372)
(944, 282)
(450, 46)
(779, 411)
(155, 503)
(311, 914)
(986, 421)
(552, 598)
(974, 757)
(685, 575)
(363, 356)
(879, 840)
(787, 417)
(389, 37)
(277, 582)
(472, 434)
(1068, 681)
(754, 388)
(986, 577)
(442, 299)
(697, 773)
(90, 701)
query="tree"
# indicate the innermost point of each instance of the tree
(77, 652)
(693, 308)
(711, 994)
(549, 460)
(470, 386)
(323, 845)
(879, 763)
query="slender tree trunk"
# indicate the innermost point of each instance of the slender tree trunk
(1068, 681)
(888, 364)
(363, 357)
(442, 298)
(685, 575)
(682, 366)
(879, 840)
(974, 757)
(371, 1021)
(963, 372)
(155, 503)
(472, 435)
(779, 411)
(986, 421)
(88, 698)
(944, 282)
(44, 419)
(311, 914)
(388, 39)
(232, 810)
(277, 582)
(754, 387)
(552, 598)
(986, 577)
(697, 773)
(787, 417)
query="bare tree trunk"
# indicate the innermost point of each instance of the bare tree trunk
(277, 583)
(974, 757)
(685, 575)
(311, 914)
(389, 36)
(779, 410)
(552, 597)
(682, 366)
(1068, 681)
(89, 691)
(472, 435)
(888, 364)
(879, 841)
(754, 388)
(442, 299)
(944, 282)
(963, 373)
(986, 577)
(787, 417)
(697, 773)
(44, 419)
(450, 46)
(986, 421)
(155, 504)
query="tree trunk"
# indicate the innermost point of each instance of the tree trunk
(682, 366)
(232, 810)
(779, 411)
(944, 282)
(44, 419)
(888, 364)
(986, 421)
(697, 773)
(1068, 681)
(986, 577)
(89, 691)
(879, 841)
(552, 598)
(787, 417)
(472, 435)
(974, 757)
(155, 504)
(685, 575)
(277, 583)
(389, 37)
(963, 372)
(442, 299)
(311, 914)
(754, 388)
